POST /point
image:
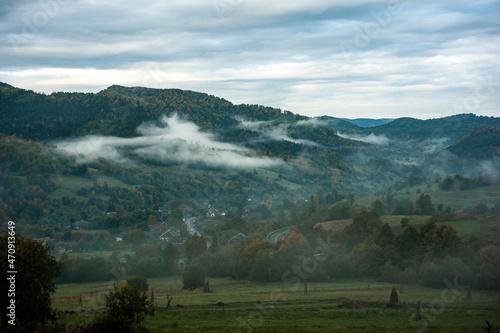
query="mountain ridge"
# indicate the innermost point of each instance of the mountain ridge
(181, 133)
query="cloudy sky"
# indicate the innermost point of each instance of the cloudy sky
(343, 58)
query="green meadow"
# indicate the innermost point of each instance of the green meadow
(338, 306)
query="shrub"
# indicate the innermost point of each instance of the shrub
(434, 273)
(139, 282)
(129, 303)
(193, 277)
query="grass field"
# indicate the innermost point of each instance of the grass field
(347, 305)
(104, 254)
(394, 221)
(114, 182)
(62, 192)
(488, 195)
(273, 175)
(464, 228)
(69, 186)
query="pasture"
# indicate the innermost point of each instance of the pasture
(337, 306)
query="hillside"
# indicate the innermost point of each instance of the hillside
(368, 122)
(452, 127)
(177, 131)
(483, 143)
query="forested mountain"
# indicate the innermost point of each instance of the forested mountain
(483, 143)
(171, 127)
(368, 122)
(118, 111)
(452, 127)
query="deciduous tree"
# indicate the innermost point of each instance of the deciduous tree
(35, 281)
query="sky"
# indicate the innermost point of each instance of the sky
(341, 58)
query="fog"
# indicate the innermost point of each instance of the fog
(270, 130)
(172, 141)
(378, 140)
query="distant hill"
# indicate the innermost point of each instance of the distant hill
(339, 124)
(483, 143)
(452, 127)
(368, 122)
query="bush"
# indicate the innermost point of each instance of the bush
(106, 322)
(319, 275)
(216, 264)
(193, 277)
(139, 282)
(434, 273)
(389, 273)
(128, 303)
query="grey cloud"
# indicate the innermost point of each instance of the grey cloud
(283, 53)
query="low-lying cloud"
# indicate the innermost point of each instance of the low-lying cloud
(270, 130)
(378, 140)
(174, 141)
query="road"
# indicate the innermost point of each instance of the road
(190, 226)
(279, 234)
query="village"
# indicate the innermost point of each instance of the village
(78, 237)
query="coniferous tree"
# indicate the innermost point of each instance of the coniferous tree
(394, 296)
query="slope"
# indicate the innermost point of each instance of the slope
(483, 143)
(453, 127)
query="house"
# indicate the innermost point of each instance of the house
(236, 239)
(172, 236)
(120, 236)
(65, 246)
(81, 225)
(213, 213)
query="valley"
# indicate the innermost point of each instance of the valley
(223, 207)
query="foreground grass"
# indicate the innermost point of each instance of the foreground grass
(347, 305)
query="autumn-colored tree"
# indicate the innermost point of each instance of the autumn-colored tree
(256, 245)
(151, 220)
(296, 244)
(489, 269)
(439, 241)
